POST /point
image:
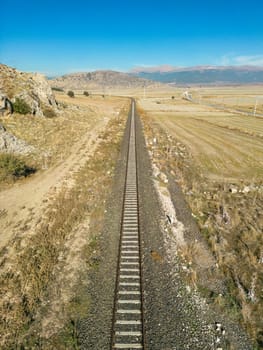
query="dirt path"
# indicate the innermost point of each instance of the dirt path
(24, 204)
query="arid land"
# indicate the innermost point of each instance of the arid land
(46, 242)
(51, 221)
(217, 159)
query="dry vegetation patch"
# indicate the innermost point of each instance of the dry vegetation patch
(224, 146)
(218, 164)
(246, 99)
(46, 220)
(53, 137)
(61, 146)
(37, 295)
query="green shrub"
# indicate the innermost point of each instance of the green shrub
(57, 89)
(12, 167)
(71, 93)
(21, 106)
(85, 93)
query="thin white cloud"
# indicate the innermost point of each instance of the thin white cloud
(256, 60)
(242, 60)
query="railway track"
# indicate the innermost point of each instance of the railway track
(127, 327)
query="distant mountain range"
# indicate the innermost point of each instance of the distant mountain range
(101, 79)
(202, 74)
(156, 76)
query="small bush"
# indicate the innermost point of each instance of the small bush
(85, 93)
(172, 97)
(71, 93)
(49, 112)
(21, 106)
(12, 167)
(57, 89)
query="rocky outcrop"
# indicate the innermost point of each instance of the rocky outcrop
(32, 88)
(11, 144)
(6, 106)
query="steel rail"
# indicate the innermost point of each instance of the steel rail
(127, 324)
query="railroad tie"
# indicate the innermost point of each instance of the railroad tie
(128, 319)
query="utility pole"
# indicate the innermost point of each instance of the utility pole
(255, 108)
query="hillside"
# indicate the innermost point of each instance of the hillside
(32, 88)
(203, 75)
(100, 80)
(22, 93)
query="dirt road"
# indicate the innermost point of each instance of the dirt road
(23, 204)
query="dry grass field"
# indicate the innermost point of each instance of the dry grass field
(240, 98)
(225, 146)
(152, 91)
(46, 243)
(243, 98)
(53, 138)
(217, 159)
(62, 144)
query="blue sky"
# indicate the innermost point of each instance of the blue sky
(57, 37)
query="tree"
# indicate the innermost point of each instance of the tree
(71, 93)
(85, 93)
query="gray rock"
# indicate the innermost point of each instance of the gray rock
(32, 88)
(6, 106)
(11, 144)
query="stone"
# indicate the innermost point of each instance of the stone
(11, 144)
(246, 189)
(233, 189)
